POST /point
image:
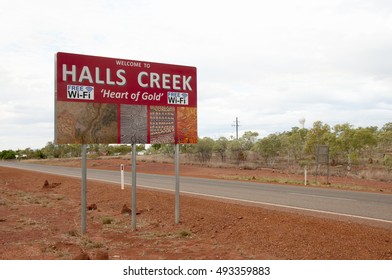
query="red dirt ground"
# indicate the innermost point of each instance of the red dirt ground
(41, 220)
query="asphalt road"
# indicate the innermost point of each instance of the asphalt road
(359, 205)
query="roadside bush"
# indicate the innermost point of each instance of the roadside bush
(7, 154)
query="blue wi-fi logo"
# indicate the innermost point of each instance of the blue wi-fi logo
(89, 89)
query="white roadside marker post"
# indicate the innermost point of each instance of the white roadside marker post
(122, 176)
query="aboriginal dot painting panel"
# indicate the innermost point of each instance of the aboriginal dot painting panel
(133, 124)
(186, 125)
(162, 128)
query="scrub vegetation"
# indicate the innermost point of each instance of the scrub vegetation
(365, 152)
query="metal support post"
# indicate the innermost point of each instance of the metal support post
(84, 187)
(177, 198)
(133, 226)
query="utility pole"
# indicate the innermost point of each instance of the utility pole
(236, 127)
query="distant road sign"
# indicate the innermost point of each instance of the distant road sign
(322, 154)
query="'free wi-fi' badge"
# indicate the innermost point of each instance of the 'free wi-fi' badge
(80, 92)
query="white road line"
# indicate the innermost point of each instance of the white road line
(297, 208)
(322, 196)
(277, 205)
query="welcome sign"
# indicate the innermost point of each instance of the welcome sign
(109, 100)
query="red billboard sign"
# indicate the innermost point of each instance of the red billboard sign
(109, 100)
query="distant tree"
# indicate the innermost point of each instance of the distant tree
(365, 140)
(388, 162)
(204, 149)
(293, 142)
(48, 150)
(319, 134)
(140, 148)
(351, 142)
(38, 154)
(7, 154)
(168, 150)
(387, 127)
(73, 150)
(104, 150)
(385, 137)
(269, 148)
(236, 151)
(248, 139)
(156, 147)
(93, 149)
(344, 134)
(120, 149)
(52, 150)
(220, 147)
(28, 152)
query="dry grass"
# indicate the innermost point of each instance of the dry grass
(378, 174)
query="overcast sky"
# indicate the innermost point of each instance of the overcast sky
(269, 63)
